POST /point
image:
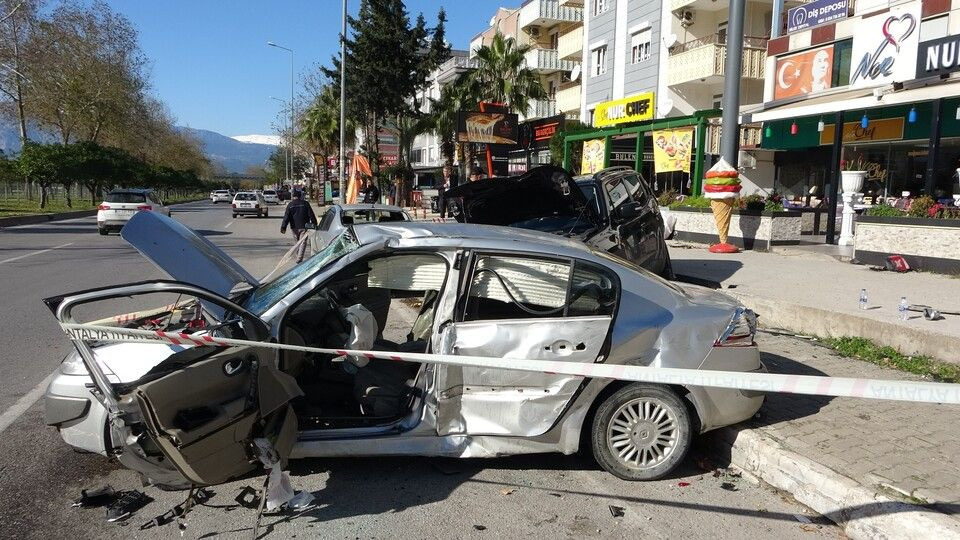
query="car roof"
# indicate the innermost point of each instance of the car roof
(418, 233)
(385, 207)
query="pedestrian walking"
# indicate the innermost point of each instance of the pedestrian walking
(476, 174)
(299, 215)
(371, 193)
(444, 187)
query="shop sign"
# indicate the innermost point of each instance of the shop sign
(487, 127)
(671, 150)
(593, 152)
(885, 47)
(620, 111)
(938, 57)
(804, 73)
(623, 156)
(888, 129)
(816, 13)
(537, 133)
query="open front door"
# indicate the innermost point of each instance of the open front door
(191, 414)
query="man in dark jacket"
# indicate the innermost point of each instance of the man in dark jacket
(371, 193)
(298, 215)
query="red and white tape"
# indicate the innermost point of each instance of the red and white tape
(912, 391)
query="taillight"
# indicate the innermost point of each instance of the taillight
(256, 206)
(145, 207)
(103, 207)
(234, 205)
(740, 331)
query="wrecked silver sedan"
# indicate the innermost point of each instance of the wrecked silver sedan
(183, 414)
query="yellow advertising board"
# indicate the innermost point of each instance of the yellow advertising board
(887, 129)
(593, 153)
(620, 111)
(672, 149)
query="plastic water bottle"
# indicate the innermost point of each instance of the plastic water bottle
(902, 308)
(863, 299)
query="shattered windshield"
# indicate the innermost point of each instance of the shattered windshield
(269, 292)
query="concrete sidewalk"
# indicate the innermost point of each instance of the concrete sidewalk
(881, 469)
(814, 293)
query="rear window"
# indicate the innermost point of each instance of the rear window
(222, 192)
(371, 216)
(126, 198)
(269, 192)
(246, 196)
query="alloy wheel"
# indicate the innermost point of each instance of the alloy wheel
(642, 433)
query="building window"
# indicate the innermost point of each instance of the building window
(554, 41)
(722, 32)
(599, 61)
(842, 56)
(717, 101)
(640, 46)
(934, 28)
(600, 6)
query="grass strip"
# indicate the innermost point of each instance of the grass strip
(885, 356)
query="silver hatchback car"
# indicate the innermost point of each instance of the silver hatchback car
(183, 414)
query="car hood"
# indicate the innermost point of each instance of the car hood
(183, 254)
(541, 192)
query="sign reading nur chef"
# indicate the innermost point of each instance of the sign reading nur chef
(620, 111)
(885, 47)
(816, 13)
(938, 57)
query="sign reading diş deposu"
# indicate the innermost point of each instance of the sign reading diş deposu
(816, 13)
(619, 111)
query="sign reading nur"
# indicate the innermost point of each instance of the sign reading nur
(816, 13)
(938, 57)
(631, 109)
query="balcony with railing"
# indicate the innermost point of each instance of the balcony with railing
(713, 5)
(703, 60)
(454, 66)
(571, 3)
(570, 45)
(568, 97)
(547, 61)
(546, 13)
(541, 108)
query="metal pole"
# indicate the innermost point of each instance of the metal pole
(343, 102)
(835, 182)
(293, 120)
(936, 121)
(730, 136)
(286, 152)
(775, 18)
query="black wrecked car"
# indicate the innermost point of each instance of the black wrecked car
(614, 210)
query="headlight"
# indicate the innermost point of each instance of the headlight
(73, 365)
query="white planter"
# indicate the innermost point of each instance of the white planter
(852, 181)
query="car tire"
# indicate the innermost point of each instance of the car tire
(641, 432)
(266, 213)
(234, 216)
(103, 232)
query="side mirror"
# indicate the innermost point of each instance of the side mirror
(629, 211)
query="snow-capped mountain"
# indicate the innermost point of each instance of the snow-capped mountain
(274, 140)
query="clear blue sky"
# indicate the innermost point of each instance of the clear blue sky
(211, 64)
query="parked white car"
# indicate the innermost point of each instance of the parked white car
(271, 196)
(221, 195)
(121, 204)
(341, 216)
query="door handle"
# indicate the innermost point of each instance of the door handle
(560, 347)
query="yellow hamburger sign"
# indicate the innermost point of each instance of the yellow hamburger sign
(620, 111)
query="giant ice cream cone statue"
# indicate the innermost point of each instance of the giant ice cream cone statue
(722, 187)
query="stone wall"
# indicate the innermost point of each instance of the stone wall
(927, 244)
(751, 230)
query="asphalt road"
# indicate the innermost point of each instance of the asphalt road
(542, 495)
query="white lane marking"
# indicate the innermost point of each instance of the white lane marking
(227, 226)
(23, 404)
(35, 253)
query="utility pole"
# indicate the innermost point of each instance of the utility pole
(292, 119)
(343, 102)
(730, 134)
(286, 153)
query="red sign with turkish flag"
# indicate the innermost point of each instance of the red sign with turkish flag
(804, 73)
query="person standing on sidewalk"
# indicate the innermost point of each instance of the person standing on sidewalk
(371, 193)
(300, 217)
(444, 187)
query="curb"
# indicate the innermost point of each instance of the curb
(862, 512)
(825, 323)
(43, 218)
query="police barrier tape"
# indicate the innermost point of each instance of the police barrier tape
(912, 391)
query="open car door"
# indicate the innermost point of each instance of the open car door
(192, 417)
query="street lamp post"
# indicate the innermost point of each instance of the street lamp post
(343, 103)
(286, 154)
(292, 115)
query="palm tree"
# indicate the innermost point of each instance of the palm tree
(453, 99)
(320, 126)
(502, 75)
(406, 126)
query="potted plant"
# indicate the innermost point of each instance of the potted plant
(852, 174)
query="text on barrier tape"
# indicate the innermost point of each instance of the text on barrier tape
(913, 391)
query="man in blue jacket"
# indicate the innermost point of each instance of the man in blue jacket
(300, 217)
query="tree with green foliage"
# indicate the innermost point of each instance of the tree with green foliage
(277, 165)
(453, 98)
(502, 75)
(406, 126)
(388, 60)
(43, 164)
(556, 143)
(319, 126)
